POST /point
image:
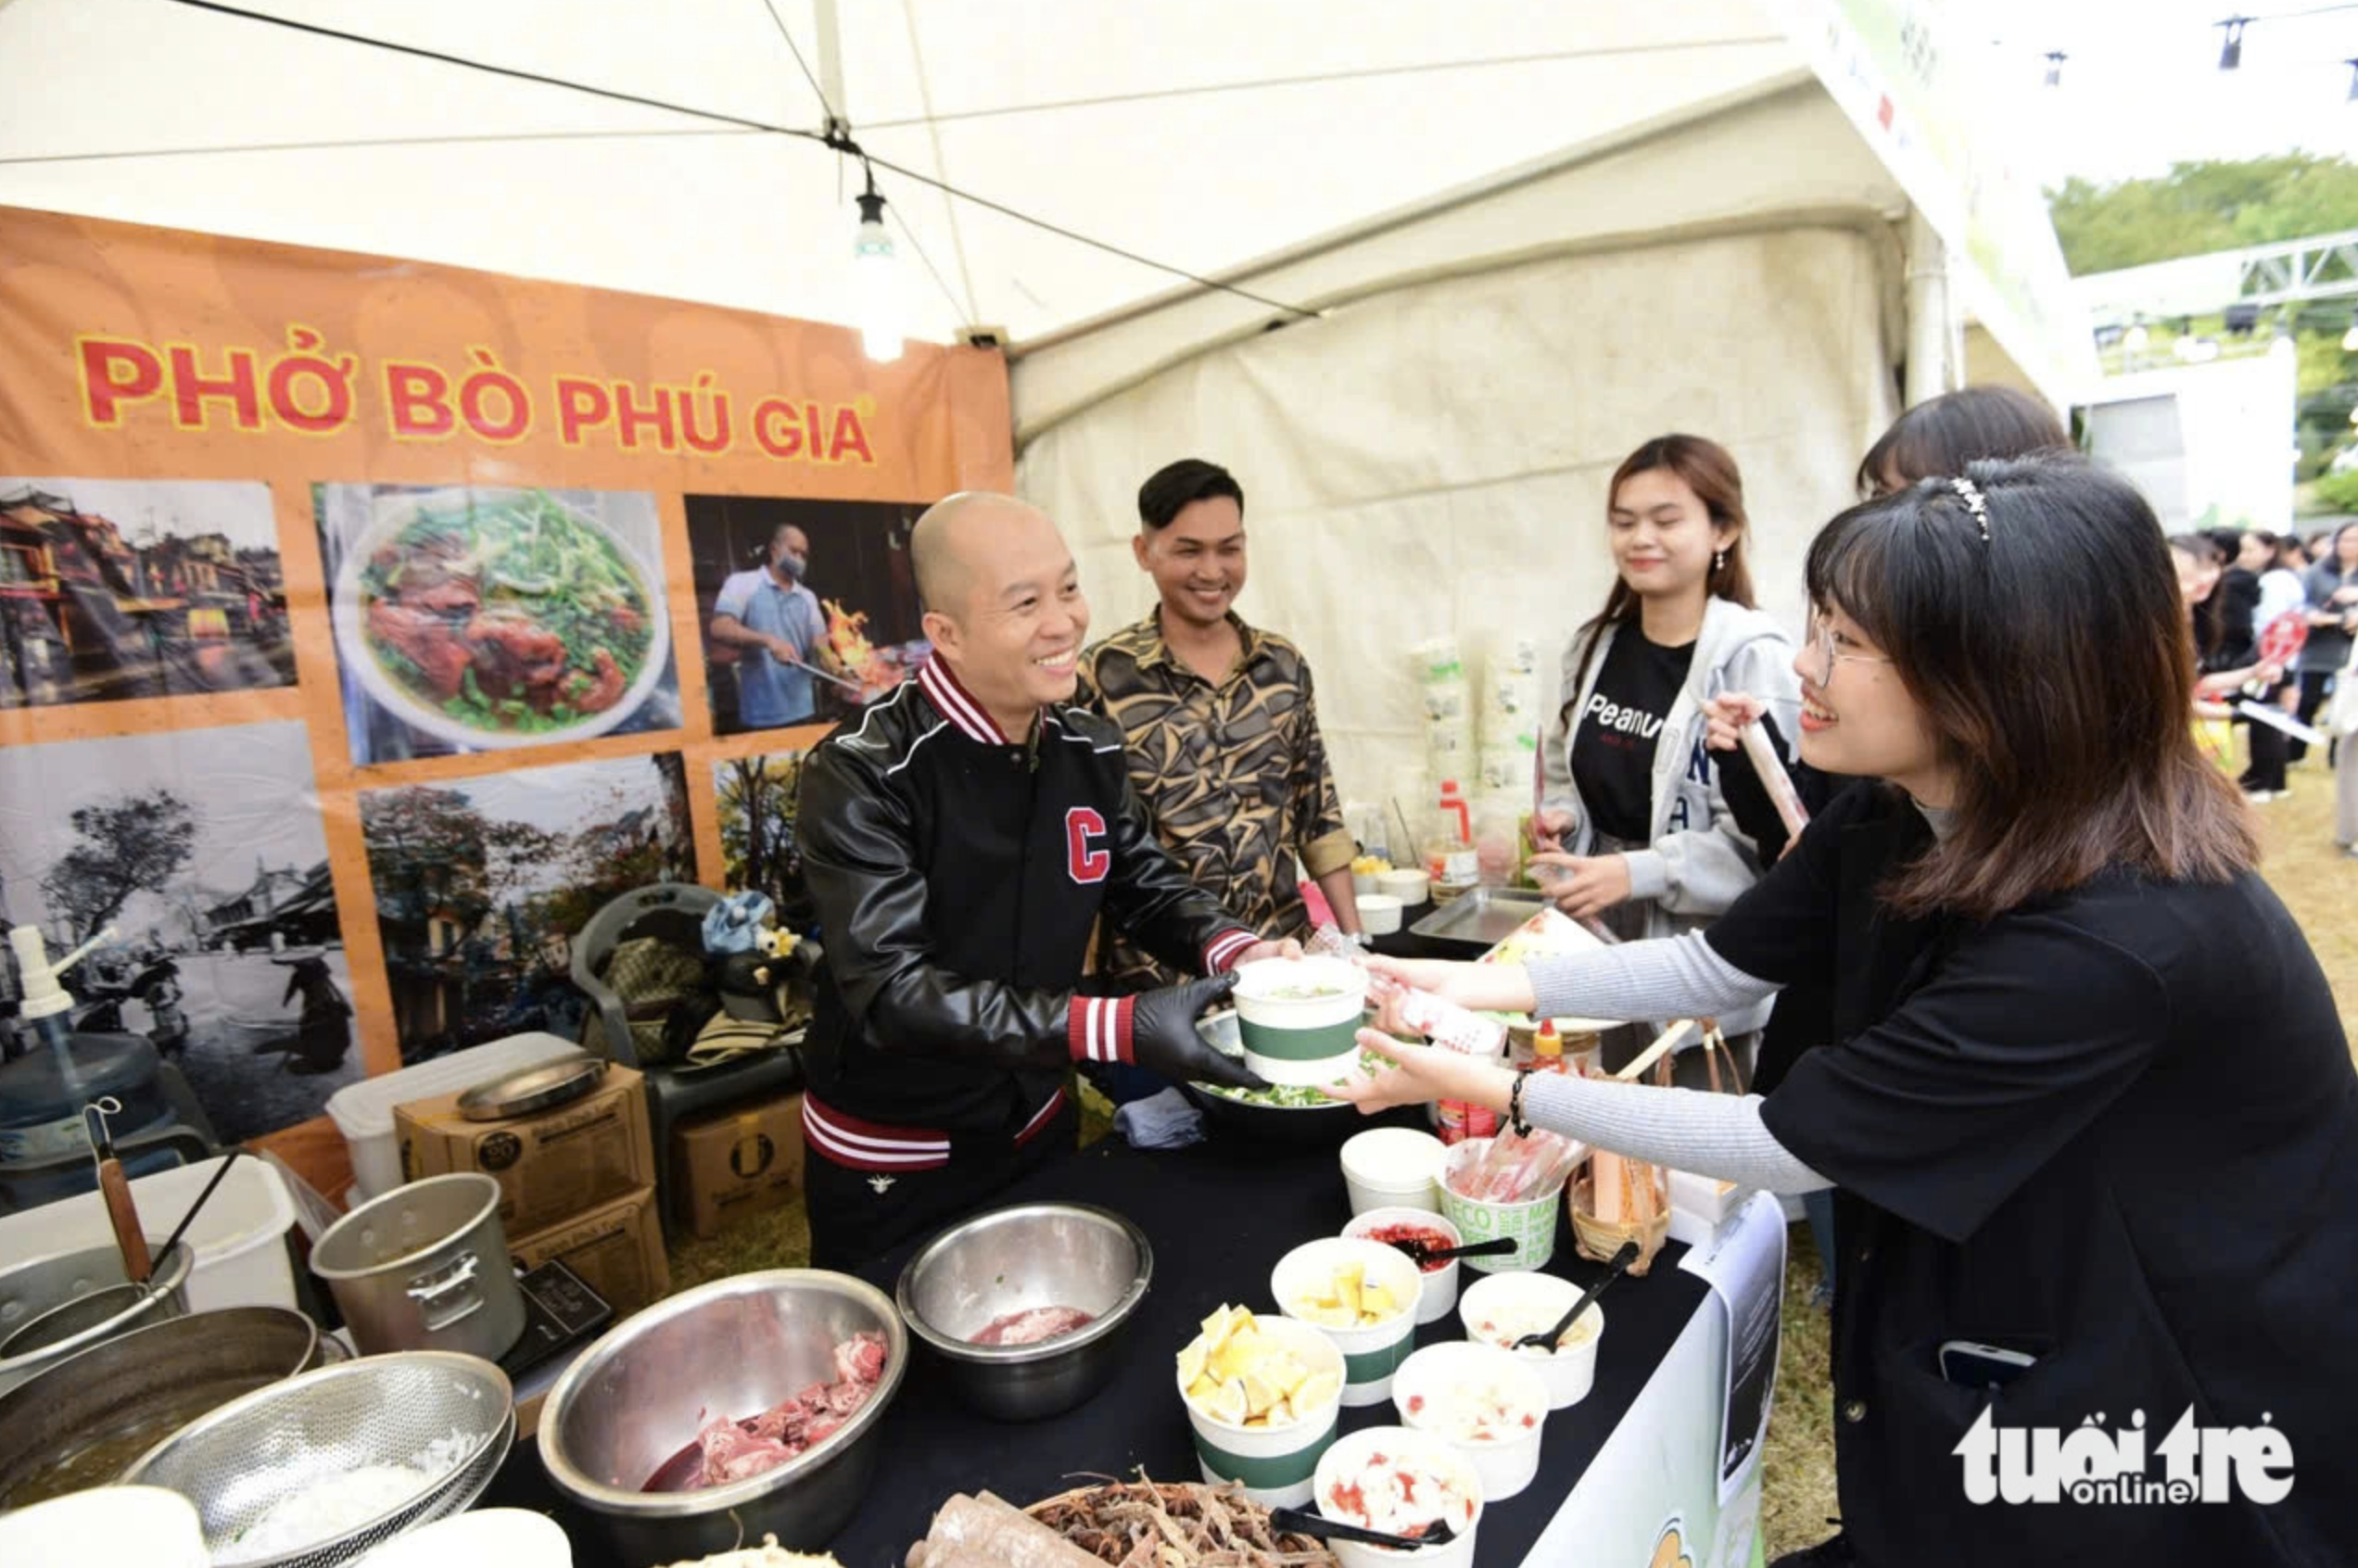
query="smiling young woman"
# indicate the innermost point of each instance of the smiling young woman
(2087, 1094)
(1632, 826)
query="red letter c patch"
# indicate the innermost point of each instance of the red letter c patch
(1084, 832)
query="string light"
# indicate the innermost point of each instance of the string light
(876, 280)
(2231, 52)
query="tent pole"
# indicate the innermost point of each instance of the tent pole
(831, 60)
(1930, 332)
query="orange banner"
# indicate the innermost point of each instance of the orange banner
(365, 623)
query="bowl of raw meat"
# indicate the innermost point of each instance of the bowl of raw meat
(1025, 1307)
(748, 1407)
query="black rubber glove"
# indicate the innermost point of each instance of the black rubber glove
(1163, 1037)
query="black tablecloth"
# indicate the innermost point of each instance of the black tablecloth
(1219, 1216)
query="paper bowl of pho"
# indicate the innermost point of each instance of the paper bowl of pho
(1300, 1017)
(490, 618)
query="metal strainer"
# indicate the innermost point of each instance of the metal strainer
(252, 1454)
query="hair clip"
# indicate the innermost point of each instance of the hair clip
(1975, 502)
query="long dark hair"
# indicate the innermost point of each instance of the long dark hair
(2054, 667)
(2203, 614)
(1940, 435)
(1705, 467)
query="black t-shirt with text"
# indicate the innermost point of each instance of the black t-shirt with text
(1613, 737)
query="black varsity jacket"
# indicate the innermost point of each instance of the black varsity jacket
(956, 874)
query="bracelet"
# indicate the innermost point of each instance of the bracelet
(1514, 1121)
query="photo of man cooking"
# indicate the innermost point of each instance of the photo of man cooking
(958, 845)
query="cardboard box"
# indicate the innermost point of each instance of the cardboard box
(734, 1163)
(549, 1167)
(617, 1250)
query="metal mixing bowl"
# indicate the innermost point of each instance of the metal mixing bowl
(254, 1453)
(82, 1421)
(733, 1348)
(1009, 1260)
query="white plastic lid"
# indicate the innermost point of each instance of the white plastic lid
(365, 1109)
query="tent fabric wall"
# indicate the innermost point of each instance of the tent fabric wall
(1434, 459)
(1766, 157)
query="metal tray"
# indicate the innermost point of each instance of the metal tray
(1483, 917)
(532, 1089)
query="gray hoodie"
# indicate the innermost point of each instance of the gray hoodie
(1699, 861)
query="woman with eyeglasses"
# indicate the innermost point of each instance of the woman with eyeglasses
(1632, 828)
(1935, 439)
(2089, 1103)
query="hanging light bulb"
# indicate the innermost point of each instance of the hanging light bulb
(2055, 58)
(2350, 338)
(2231, 52)
(876, 281)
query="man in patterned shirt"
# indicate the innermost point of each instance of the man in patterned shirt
(1217, 716)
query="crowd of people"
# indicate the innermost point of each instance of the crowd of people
(2055, 1073)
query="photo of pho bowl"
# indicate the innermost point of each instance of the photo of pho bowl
(492, 618)
(1300, 1017)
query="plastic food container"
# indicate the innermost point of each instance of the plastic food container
(1273, 1464)
(239, 1239)
(1436, 1377)
(1531, 1222)
(1294, 1038)
(1521, 1304)
(1393, 1167)
(1440, 1285)
(1348, 1460)
(1370, 1354)
(1412, 887)
(1379, 914)
(363, 1111)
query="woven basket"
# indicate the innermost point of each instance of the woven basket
(1597, 1240)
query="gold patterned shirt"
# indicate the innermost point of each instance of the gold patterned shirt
(1234, 773)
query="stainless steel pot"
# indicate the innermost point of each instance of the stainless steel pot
(425, 1268)
(1010, 1259)
(735, 1347)
(52, 1307)
(84, 1421)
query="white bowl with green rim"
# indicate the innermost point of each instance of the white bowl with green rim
(1273, 1464)
(1531, 1224)
(1300, 1017)
(1369, 1354)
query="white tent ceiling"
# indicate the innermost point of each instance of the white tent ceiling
(1199, 134)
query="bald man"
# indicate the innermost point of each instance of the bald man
(960, 845)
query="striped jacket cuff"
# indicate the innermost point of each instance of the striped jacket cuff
(1097, 1028)
(1223, 951)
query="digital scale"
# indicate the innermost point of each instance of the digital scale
(560, 1312)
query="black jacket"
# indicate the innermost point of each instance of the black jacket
(2115, 1128)
(957, 876)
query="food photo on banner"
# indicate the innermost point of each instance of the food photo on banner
(482, 884)
(474, 619)
(203, 849)
(808, 608)
(116, 589)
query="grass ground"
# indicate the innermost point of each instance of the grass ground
(2302, 863)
